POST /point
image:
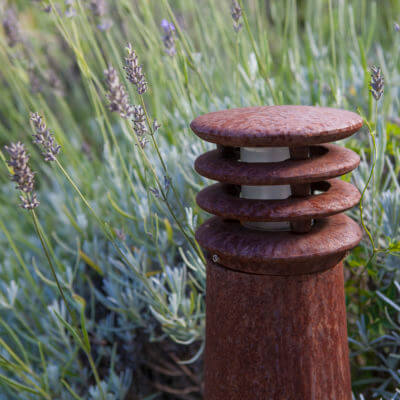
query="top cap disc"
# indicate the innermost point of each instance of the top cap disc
(276, 126)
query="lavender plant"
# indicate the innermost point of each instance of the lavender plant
(117, 211)
(11, 27)
(44, 138)
(377, 82)
(169, 37)
(134, 71)
(22, 175)
(236, 13)
(99, 7)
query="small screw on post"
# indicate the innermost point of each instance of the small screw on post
(215, 258)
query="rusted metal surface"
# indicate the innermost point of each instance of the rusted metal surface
(299, 153)
(326, 162)
(223, 200)
(276, 126)
(276, 318)
(279, 253)
(276, 337)
(301, 190)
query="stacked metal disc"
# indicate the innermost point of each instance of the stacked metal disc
(320, 234)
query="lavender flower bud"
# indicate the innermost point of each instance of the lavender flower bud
(105, 24)
(169, 37)
(11, 27)
(156, 126)
(29, 202)
(236, 13)
(167, 183)
(44, 138)
(22, 174)
(134, 71)
(99, 7)
(155, 192)
(140, 126)
(143, 141)
(377, 82)
(70, 11)
(139, 121)
(116, 95)
(396, 27)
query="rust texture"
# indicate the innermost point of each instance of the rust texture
(299, 153)
(279, 253)
(301, 190)
(327, 161)
(276, 317)
(276, 126)
(276, 338)
(223, 200)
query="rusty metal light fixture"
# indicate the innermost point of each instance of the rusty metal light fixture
(276, 317)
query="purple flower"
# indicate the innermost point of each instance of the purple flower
(167, 26)
(116, 94)
(44, 138)
(169, 37)
(11, 27)
(134, 71)
(22, 175)
(377, 82)
(236, 13)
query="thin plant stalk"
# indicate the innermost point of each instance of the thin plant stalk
(155, 145)
(191, 60)
(367, 231)
(106, 230)
(60, 289)
(72, 314)
(372, 134)
(165, 198)
(264, 73)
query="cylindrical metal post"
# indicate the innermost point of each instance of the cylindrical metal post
(276, 318)
(276, 337)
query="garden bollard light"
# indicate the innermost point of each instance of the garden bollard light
(275, 304)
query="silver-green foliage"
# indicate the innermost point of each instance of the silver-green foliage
(124, 254)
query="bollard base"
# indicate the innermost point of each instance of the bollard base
(276, 337)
